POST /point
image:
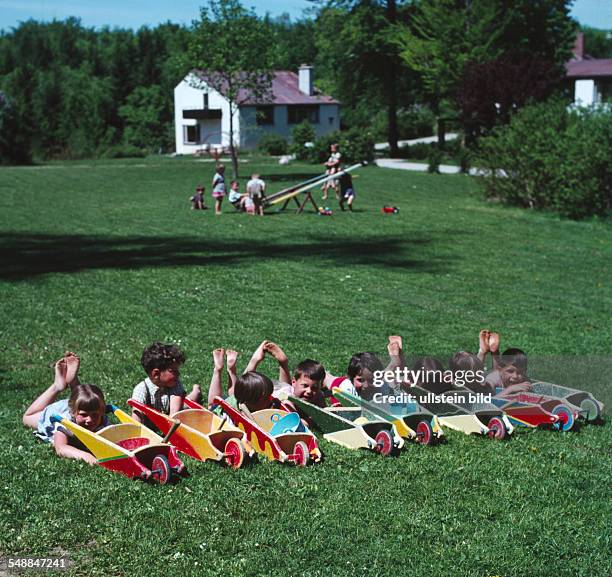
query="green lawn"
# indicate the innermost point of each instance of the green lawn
(104, 257)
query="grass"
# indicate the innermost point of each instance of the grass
(104, 257)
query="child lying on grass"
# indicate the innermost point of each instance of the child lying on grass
(85, 407)
(360, 373)
(162, 389)
(254, 390)
(509, 368)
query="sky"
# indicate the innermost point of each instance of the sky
(137, 13)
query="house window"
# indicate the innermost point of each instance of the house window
(191, 134)
(331, 120)
(297, 114)
(265, 115)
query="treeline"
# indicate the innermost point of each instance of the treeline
(68, 91)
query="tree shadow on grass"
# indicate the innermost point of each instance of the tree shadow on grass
(27, 256)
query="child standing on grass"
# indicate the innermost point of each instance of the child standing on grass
(85, 407)
(347, 192)
(162, 389)
(332, 166)
(256, 189)
(218, 187)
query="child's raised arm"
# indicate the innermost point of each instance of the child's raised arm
(258, 356)
(284, 376)
(396, 353)
(483, 344)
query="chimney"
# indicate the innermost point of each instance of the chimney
(305, 79)
(578, 49)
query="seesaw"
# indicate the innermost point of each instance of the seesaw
(306, 187)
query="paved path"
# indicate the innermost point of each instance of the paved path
(425, 139)
(417, 166)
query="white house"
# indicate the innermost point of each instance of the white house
(590, 78)
(201, 113)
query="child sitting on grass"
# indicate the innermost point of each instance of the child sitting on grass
(162, 389)
(197, 200)
(237, 199)
(85, 407)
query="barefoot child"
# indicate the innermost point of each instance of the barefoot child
(85, 407)
(218, 184)
(510, 368)
(255, 389)
(162, 389)
(256, 189)
(197, 200)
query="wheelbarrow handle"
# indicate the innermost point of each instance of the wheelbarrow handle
(172, 430)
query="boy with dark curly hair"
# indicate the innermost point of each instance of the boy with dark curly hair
(162, 389)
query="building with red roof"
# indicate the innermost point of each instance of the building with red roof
(590, 78)
(201, 112)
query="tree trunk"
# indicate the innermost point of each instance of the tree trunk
(390, 88)
(232, 149)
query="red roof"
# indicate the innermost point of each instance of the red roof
(589, 68)
(285, 91)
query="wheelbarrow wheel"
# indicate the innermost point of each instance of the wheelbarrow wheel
(424, 433)
(234, 454)
(566, 418)
(384, 443)
(301, 454)
(497, 429)
(161, 469)
(590, 408)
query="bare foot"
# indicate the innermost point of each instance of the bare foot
(276, 352)
(218, 358)
(73, 362)
(483, 341)
(231, 356)
(395, 346)
(60, 382)
(494, 343)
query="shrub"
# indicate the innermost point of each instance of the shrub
(412, 122)
(124, 151)
(273, 144)
(434, 159)
(550, 157)
(300, 135)
(356, 145)
(418, 151)
(14, 145)
(464, 158)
